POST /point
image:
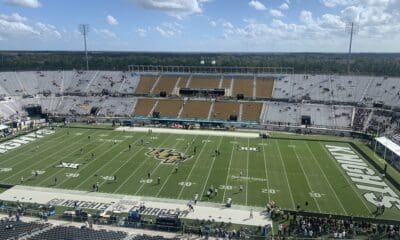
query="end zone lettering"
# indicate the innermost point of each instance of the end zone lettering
(365, 178)
(17, 142)
(82, 204)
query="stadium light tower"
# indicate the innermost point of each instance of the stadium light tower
(351, 28)
(84, 30)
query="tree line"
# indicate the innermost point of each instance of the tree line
(380, 64)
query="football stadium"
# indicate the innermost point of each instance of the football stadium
(199, 119)
(241, 148)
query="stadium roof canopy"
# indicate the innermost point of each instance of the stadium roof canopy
(389, 144)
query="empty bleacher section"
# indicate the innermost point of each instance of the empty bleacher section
(144, 106)
(251, 111)
(320, 115)
(264, 87)
(196, 109)
(329, 100)
(116, 107)
(205, 82)
(243, 85)
(224, 110)
(168, 108)
(146, 83)
(165, 84)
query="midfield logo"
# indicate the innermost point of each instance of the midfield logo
(169, 156)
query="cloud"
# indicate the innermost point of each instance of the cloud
(257, 5)
(175, 8)
(168, 30)
(24, 3)
(213, 23)
(335, 3)
(47, 30)
(17, 27)
(111, 20)
(275, 13)
(15, 17)
(105, 33)
(141, 32)
(284, 6)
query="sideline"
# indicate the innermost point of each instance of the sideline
(190, 132)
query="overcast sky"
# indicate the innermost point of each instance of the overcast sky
(201, 25)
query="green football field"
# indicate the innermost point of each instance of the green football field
(287, 171)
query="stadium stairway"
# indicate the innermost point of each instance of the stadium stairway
(211, 110)
(181, 110)
(221, 80)
(153, 108)
(155, 84)
(189, 81)
(240, 112)
(254, 87)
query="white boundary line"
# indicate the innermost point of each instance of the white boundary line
(229, 169)
(326, 178)
(165, 182)
(212, 166)
(140, 165)
(193, 167)
(266, 169)
(284, 168)
(155, 169)
(305, 175)
(71, 154)
(40, 161)
(345, 177)
(190, 132)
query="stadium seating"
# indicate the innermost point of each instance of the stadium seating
(289, 97)
(70, 232)
(251, 111)
(223, 110)
(166, 84)
(196, 109)
(169, 108)
(16, 230)
(146, 84)
(144, 106)
(243, 86)
(205, 81)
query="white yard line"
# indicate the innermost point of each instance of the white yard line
(326, 178)
(193, 167)
(158, 165)
(284, 171)
(345, 177)
(165, 182)
(40, 161)
(247, 170)
(73, 152)
(140, 165)
(266, 170)
(98, 158)
(127, 161)
(30, 146)
(229, 169)
(209, 171)
(305, 175)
